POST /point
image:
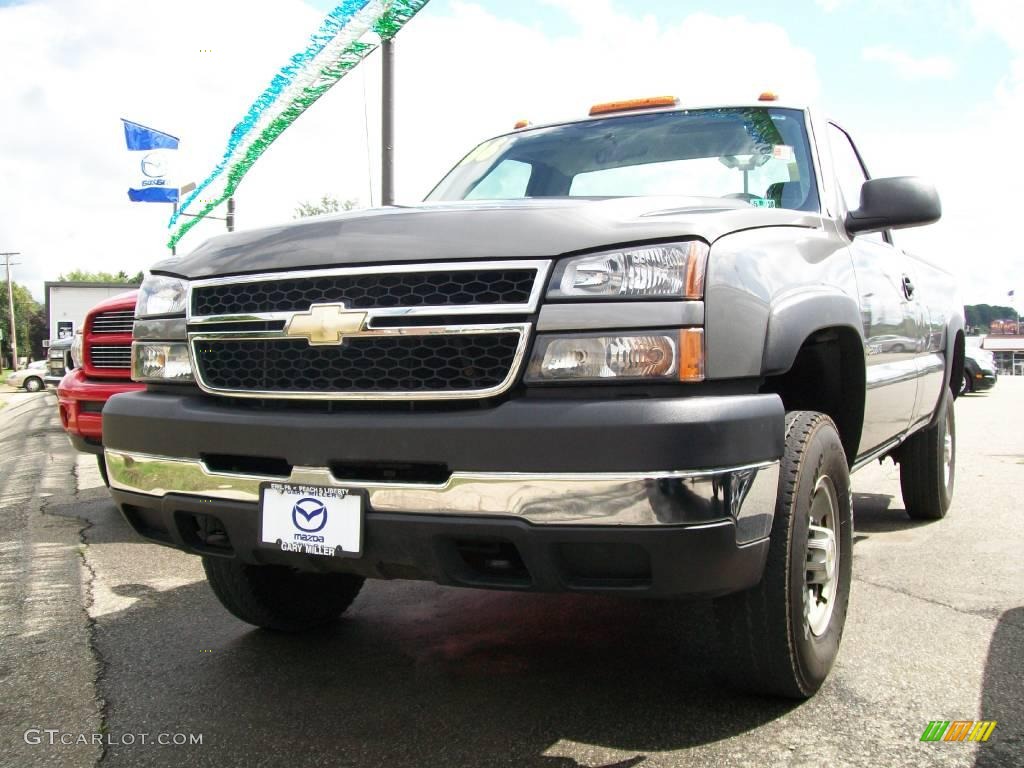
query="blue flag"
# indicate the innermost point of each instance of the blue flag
(151, 156)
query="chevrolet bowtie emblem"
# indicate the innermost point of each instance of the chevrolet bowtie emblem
(326, 323)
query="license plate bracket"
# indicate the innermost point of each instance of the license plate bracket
(311, 519)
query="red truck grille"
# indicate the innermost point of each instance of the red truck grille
(110, 356)
(114, 322)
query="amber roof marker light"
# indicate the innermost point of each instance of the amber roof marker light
(768, 96)
(521, 124)
(631, 104)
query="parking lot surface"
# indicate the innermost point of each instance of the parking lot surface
(104, 634)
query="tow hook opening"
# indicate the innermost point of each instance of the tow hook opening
(205, 533)
(492, 561)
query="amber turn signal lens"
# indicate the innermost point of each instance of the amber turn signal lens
(691, 354)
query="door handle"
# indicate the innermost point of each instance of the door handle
(908, 287)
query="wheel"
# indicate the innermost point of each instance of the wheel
(928, 466)
(103, 469)
(278, 597)
(782, 636)
(966, 381)
(33, 384)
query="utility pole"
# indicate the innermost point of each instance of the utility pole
(10, 305)
(387, 122)
(230, 218)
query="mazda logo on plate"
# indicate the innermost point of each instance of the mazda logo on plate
(154, 166)
(309, 515)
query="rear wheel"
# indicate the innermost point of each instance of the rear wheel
(278, 597)
(782, 636)
(33, 384)
(928, 466)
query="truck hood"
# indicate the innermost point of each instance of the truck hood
(532, 228)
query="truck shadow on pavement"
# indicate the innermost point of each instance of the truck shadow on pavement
(424, 675)
(874, 513)
(1002, 697)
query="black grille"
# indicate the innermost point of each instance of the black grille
(382, 290)
(397, 364)
(110, 355)
(114, 322)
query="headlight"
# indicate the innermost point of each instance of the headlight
(76, 349)
(665, 355)
(160, 295)
(159, 361)
(673, 270)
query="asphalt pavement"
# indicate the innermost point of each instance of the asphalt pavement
(105, 638)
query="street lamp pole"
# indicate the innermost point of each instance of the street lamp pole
(387, 122)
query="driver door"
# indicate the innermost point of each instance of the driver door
(891, 316)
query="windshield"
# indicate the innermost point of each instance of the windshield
(759, 155)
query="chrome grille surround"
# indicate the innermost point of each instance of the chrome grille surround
(199, 331)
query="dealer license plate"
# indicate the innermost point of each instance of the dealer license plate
(311, 519)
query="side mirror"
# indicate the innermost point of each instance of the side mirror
(894, 203)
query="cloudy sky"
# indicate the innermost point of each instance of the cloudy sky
(929, 87)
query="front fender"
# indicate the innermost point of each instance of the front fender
(798, 315)
(767, 291)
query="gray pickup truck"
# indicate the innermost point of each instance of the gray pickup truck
(638, 353)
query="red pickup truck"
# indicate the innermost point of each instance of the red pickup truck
(102, 368)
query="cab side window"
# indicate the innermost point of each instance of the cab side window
(850, 175)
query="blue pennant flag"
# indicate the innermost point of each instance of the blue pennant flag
(151, 158)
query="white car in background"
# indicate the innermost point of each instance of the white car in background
(30, 378)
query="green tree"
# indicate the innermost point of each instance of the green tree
(25, 307)
(85, 276)
(980, 316)
(327, 204)
(38, 330)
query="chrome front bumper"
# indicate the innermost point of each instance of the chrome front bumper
(745, 494)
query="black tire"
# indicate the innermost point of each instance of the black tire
(280, 598)
(103, 469)
(966, 382)
(927, 487)
(766, 632)
(33, 384)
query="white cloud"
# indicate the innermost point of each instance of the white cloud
(978, 236)
(910, 67)
(73, 67)
(1004, 18)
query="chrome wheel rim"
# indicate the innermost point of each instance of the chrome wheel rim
(822, 558)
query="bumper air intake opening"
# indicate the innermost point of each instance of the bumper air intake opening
(588, 565)
(204, 533)
(247, 465)
(385, 472)
(148, 523)
(491, 562)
